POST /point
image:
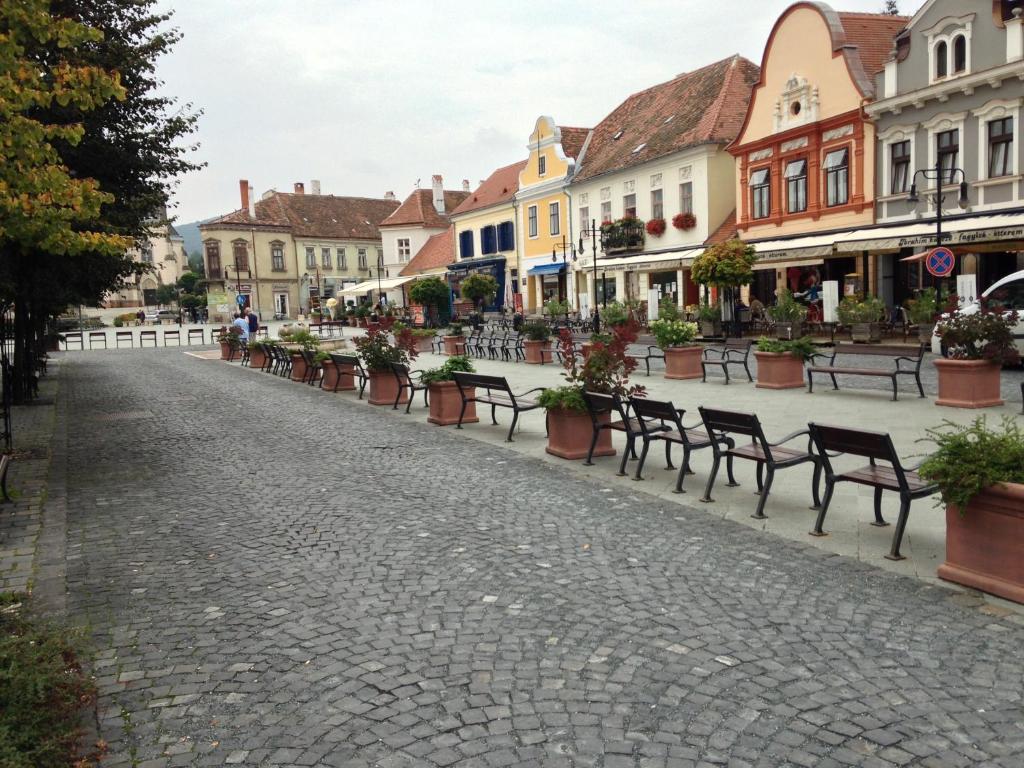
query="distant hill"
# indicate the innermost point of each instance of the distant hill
(190, 231)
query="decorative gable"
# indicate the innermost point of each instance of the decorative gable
(797, 105)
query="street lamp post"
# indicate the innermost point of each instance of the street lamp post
(593, 231)
(937, 174)
(319, 294)
(380, 267)
(238, 279)
(568, 249)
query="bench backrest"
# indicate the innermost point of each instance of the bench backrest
(735, 344)
(350, 360)
(662, 410)
(881, 350)
(856, 442)
(401, 371)
(599, 403)
(470, 380)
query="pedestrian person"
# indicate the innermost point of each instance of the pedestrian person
(254, 322)
(140, 317)
(243, 327)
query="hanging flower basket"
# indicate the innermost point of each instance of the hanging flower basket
(656, 227)
(683, 221)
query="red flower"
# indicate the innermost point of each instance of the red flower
(684, 221)
(656, 227)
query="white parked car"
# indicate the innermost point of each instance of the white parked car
(160, 315)
(1006, 294)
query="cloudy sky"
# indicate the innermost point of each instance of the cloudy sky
(371, 96)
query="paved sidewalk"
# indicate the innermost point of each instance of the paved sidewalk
(275, 575)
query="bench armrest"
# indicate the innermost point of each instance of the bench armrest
(915, 361)
(722, 352)
(792, 436)
(741, 352)
(529, 391)
(652, 353)
(815, 355)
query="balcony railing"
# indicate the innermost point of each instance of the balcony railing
(623, 236)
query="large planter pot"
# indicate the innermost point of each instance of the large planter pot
(454, 345)
(710, 327)
(683, 362)
(779, 370)
(535, 350)
(361, 322)
(866, 332)
(968, 383)
(225, 350)
(984, 544)
(299, 368)
(352, 321)
(789, 331)
(925, 331)
(330, 374)
(257, 357)
(423, 343)
(384, 388)
(570, 433)
(446, 404)
(339, 378)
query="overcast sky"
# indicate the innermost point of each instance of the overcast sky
(371, 96)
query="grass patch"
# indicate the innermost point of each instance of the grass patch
(42, 692)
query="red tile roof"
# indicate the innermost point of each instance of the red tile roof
(314, 215)
(701, 107)
(573, 140)
(418, 209)
(438, 251)
(497, 188)
(873, 34)
(726, 230)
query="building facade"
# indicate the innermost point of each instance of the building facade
(164, 252)
(659, 158)
(485, 235)
(949, 104)
(805, 154)
(287, 252)
(545, 221)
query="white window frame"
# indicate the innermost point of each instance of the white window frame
(996, 109)
(361, 253)
(325, 258)
(310, 257)
(947, 121)
(894, 135)
(403, 248)
(945, 31)
(532, 225)
(555, 218)
(584, 218)
(660, 192)
(340, 255)
(542, 165)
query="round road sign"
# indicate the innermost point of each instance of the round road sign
(940, 261)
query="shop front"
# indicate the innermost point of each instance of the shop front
(633, 278)
(460, 270)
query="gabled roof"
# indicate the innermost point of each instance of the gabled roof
(500, 187)
(700, 107)
(573, 140)
(418, 209)
(315, 215)
(872, 34)
(437, 252)
(726, 230)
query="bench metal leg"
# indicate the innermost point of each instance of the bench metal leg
(728, 471)
(810, 382)
(769, 476)
(829, 487)
(760, 478)
(703, 372)
(901, 524)
(815, 483)
(511, 429)
(920, 389)
(879, 520)
(835, 384)
(643, 457)
(668, 455)
(362, 387)
(894, 389)
(398, 396)
(746, 368)
(593, 444)
(706, 498)
(682, 470)
(494, 419)
(630, 449)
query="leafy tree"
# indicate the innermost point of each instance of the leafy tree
(188, 281)
(725, 265)
(891, 8)
(166, 294)
(432, 293)
(196, 263)
(480, 289)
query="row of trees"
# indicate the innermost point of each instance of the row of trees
(88, 154)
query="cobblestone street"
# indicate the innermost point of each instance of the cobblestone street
(278, 576)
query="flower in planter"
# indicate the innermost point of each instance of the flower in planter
(656, 227)
(981, 335)
(378, 351)
(684, 221)
(673, 333)
(454, 364)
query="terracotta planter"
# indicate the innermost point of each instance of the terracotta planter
(330, 377)
(534, 350)
(339, 378)
(586, 347)
(570, 433)
(710, 327)
(984, 544)
(446, 403)
(454, 345)
(683, 362)
(361, 322)
(789, 331)
(423, 343)
(257, 357)
(779, 370)
(353, 322)
(866, 332)
(225, 350)
(968, 383)
(299, 368)
(384, 387)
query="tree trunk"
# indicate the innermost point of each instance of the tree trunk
(21, 379)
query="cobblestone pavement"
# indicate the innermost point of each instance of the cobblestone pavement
(275, 575)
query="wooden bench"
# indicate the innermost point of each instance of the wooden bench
(874, 446)
(405, 381)
(730, 352)
(768, 456)
(603, 409)
(76, 337)
(899, 355)
(497, 394)
(97, 336)
(196, 333)
(350, 363)
(120, 336)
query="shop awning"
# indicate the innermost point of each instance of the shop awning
(373, 285)
(809, 247)
(812, 262)
(467, 264)
(547, 269)
(991, 227)
(916, 257)
(646, 261)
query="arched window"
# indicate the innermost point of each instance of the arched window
(941, 54)
(959, 54)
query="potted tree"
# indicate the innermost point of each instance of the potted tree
(922, 312)
(556, 308)
(863, 317)
(443, 392)
(978, 344)
(788, 314)
(780, 364)
(454, 344)
(726, 266)
(378, 353)
(480, 289)
(432, 293)
(538, 339)
(606, 370)
(980, 474)
(362, 315)
(677, 339)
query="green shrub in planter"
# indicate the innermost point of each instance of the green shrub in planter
(454, 364)
(674, 333)
(802, 347)
(537, 331)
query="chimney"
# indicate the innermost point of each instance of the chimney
(438, 184)
(300, 188)
(465, 185)
(251, 197)
(314, 186)
(389, 195)
(243, 191)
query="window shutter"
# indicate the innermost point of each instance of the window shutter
(506, 237)
(466, 245)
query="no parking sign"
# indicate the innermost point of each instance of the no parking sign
(940, 261)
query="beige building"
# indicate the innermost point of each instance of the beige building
(287, 252)
(165, 252)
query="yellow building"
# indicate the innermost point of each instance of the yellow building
(545, 221)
